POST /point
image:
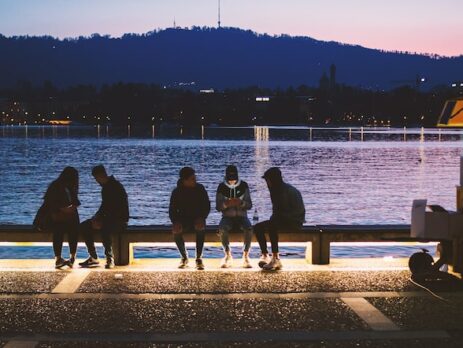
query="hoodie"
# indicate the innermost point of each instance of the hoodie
(226, 191)
(188, 204)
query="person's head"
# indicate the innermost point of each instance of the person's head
(100, 175)
(231, 175)
(188, 177)
(69, 177)
(273, 177)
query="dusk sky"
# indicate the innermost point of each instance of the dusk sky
(427, 26)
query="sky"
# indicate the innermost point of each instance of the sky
(424, 26)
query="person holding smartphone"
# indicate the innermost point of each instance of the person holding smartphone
(233, 200)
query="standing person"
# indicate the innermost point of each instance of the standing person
(234, 200)
(188, 210)
(59, 214)
(288, 212)
(110, 220)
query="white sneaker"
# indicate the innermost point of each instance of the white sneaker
(273, 265)
(246, 262)
(226, 261)
(183, 263)
(263, 261)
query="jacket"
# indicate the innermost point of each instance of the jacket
(226, 191)
(287, 204)
(188, 204)
(114, 202)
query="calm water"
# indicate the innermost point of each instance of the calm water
(346, 176)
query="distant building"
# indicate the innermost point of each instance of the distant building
(324, 83)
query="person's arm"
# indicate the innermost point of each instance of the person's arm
(246, 202)
(205, 204)
(173, 210)
(220, 201)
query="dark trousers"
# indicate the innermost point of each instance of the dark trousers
(59, 229)
(180, 242)
(272, 227)
(109, 230)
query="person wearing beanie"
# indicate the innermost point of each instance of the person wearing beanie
(288, 212)
(188, 210)
(233, 200)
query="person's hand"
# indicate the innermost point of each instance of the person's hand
(200, 224)
(235, 202)
(69, 209)
(97, 224)
(177, 228)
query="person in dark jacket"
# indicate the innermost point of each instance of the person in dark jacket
(59, 214)
(188, 210)
(288, 212)
(111, 219)
(233, 200)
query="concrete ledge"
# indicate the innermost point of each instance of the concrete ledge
(317, 237)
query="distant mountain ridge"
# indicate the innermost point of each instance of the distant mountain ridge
(213, 58)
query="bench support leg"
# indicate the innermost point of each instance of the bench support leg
(123, 251)
(324, 251)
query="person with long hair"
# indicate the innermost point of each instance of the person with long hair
(60, 206)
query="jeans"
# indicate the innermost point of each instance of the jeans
(59, 229)
(240, 222)
(108, 230)
(180, 242)
(272, 227)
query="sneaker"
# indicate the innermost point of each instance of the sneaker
(90, 262)
(263, 261)
(183, 263)
(246, 262)
(109, 263)
(199, 264)
(60, 262)
(226, 261)
(70, 262)
(273, 265)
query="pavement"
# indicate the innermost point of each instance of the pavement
(349, 303)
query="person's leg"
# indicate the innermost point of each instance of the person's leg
(225, 226)
(200, 237)
(58, 238)
(180, 242)
(73, 239)
(88, 234)
(273, 228)
(246, 226)
(107, 232)
(259, 231)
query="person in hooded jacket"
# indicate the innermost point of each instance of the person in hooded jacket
(288, 213)
(188, 209)
(59, 214)
(233, 200)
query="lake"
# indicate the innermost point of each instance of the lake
(346, 176)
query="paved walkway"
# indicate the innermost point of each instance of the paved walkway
(366, 302)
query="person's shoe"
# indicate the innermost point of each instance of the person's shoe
(70, 262)
(60, 262)
(109, 263)
(199, 264)
(273, 265)
(226, 261)
(183, 263)
(246, 262)
(90, 262)
(263, 261)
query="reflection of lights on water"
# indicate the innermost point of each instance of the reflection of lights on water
(261, 133)
(202, 132)
(388, 258)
